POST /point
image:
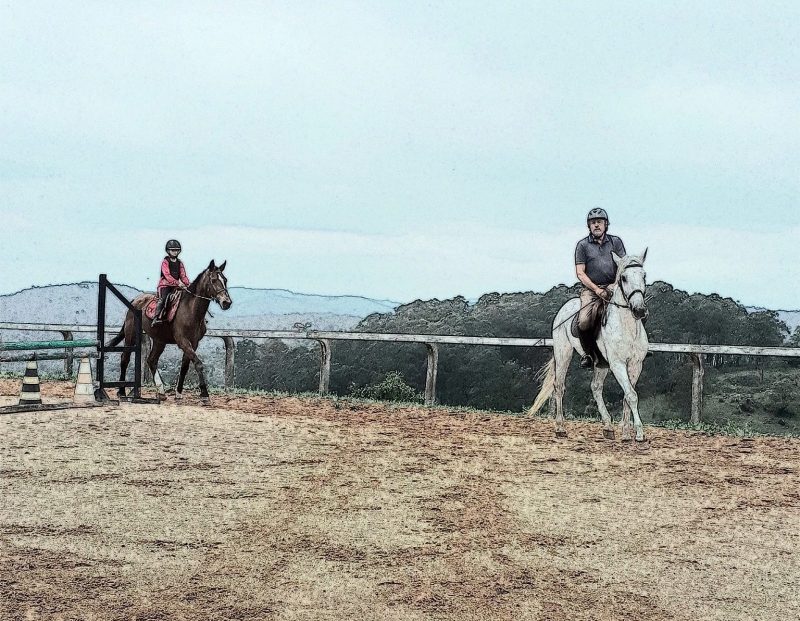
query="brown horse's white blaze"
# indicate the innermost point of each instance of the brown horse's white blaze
(622, 341)
(185, 330)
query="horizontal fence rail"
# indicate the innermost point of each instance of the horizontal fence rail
(432, 342)
(26, 345)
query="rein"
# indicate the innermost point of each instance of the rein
(616, 284)
(627, 299)
(197, 295)
(203, 297)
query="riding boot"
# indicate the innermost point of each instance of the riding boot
(587, 362)
(158, 318)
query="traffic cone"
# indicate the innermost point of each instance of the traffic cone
(84, 386)
(30, 394)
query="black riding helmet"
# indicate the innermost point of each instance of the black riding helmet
(173, 244)
(596, 213)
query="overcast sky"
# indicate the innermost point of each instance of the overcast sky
(401, 149)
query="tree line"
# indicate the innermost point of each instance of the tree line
(503, 378)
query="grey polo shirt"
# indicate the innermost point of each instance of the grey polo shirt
(600, 266)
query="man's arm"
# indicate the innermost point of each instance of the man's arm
(580, 272)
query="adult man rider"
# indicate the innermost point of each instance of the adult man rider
(596, 269)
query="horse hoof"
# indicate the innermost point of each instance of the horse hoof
(560, 433)
(609, 434)
(178, 396)
(162, 396)
(641, 440)
(205, 400)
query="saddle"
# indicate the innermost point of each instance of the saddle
(173, 301)
(588, 338)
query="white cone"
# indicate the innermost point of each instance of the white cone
(84, 387)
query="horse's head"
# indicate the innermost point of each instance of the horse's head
(631, 282)
(213, 284)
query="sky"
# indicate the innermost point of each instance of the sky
(400, 150)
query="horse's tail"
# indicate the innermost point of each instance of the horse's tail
(140, 301)
(117, 339)
(548, 376)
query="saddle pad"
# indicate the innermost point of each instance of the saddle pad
(172, 306)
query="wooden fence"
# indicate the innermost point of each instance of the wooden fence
(431, 342)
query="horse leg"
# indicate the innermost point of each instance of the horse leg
(152, 362)
(620, 371)
(185, 362)
(634, 370)
(188, 351)
(597, 390)
(125, 358)
(562, 353)
(123, 371)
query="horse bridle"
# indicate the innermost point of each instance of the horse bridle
(632, 293)
(203, 297)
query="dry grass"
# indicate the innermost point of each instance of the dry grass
(264, 508)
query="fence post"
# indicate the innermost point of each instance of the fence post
(68, 367)
(697, 388)
(101, 335)
(324, 366)
(430, 376)
(230, 351)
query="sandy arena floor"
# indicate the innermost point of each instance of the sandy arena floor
(265, 508)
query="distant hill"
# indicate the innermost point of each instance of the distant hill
(255, 309)
(265, 309)
(790, 317)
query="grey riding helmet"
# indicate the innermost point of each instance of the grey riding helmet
(597, 213)
(173, 244)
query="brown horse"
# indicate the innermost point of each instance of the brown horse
(185, 330)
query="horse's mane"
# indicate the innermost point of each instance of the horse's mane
(196, 281)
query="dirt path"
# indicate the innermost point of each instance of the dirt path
(263, 508)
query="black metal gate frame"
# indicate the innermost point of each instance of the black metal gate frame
(103, 349)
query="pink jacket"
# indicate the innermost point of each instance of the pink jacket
(167, 280)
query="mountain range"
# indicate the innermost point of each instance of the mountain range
(258, 309)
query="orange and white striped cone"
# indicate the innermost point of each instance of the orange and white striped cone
(84, 386)
(30, 393)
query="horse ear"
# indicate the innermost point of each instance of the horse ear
(616, 257)
(222, 267)
(644, 255)
(211, 265)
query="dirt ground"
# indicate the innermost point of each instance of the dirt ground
(267, 508)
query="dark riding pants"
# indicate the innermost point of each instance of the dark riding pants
(163, 296)
(591, 306)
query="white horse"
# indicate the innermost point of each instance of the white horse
(622, 341)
